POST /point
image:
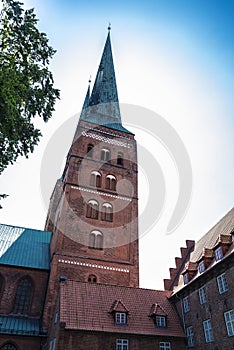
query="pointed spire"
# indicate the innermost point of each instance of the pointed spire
(87, 97)
(103, 105)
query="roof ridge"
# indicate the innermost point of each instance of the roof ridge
(27, 228)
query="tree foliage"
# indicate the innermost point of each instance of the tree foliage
(26, 84)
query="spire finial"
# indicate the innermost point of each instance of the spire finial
(109, 27)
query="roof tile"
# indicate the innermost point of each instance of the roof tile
(86, 306)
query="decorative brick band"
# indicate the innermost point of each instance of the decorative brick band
(105, 139)
(102, 193)
(106, 132)
(104, 267)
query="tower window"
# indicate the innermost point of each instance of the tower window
(96, 240)
(92, 209)
(23, 297)
(120, 158)
(105, 154)
(96, 179)
(111, 182)
(107, 212)
(90, 151)
(92, 279)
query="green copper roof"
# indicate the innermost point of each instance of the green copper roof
(19, 326)
(24, 247)
(102, 107)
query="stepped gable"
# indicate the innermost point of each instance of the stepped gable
(221, 235)
(86, 306)
(180, 264)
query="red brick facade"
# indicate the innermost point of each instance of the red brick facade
(103, 341)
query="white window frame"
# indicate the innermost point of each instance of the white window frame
(120, 318)
(53, 344)
(222, 283)
(186, 306)
(186, 278)
(190, 336)
(202, 295)
(208, 333)
(160, 321)
(201, 266)
(218, 254)
(229, 321)
(164, 345)
(121, 344)
(56, 317)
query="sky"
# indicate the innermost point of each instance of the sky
(172, 57)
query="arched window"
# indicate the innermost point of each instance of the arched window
(8, 346)
(90, 151)
(107, 212)
(96, 240)
(23, 297)
(92, 209)
(120, 158)
(111, 182)
(105, 154)
(92, 279)
(96, 179)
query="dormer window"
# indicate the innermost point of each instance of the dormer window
(159, 316)
(186, 278)
(218, 254)
(119, 313)
(201, 266)
(161, 321)
(120, 318)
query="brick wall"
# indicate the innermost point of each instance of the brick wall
(212, 309)
(71, 340)
(12, 276)
(21, 342)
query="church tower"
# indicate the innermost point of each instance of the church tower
(93, 213)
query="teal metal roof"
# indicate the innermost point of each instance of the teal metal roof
(19, 325)
(24, 247)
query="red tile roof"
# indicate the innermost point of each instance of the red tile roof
(86, 306)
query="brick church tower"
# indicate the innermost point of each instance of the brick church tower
(93, 212)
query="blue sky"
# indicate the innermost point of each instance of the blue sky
(173, 57)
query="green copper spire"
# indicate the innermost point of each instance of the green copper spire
(102, 107)
(87, 97)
